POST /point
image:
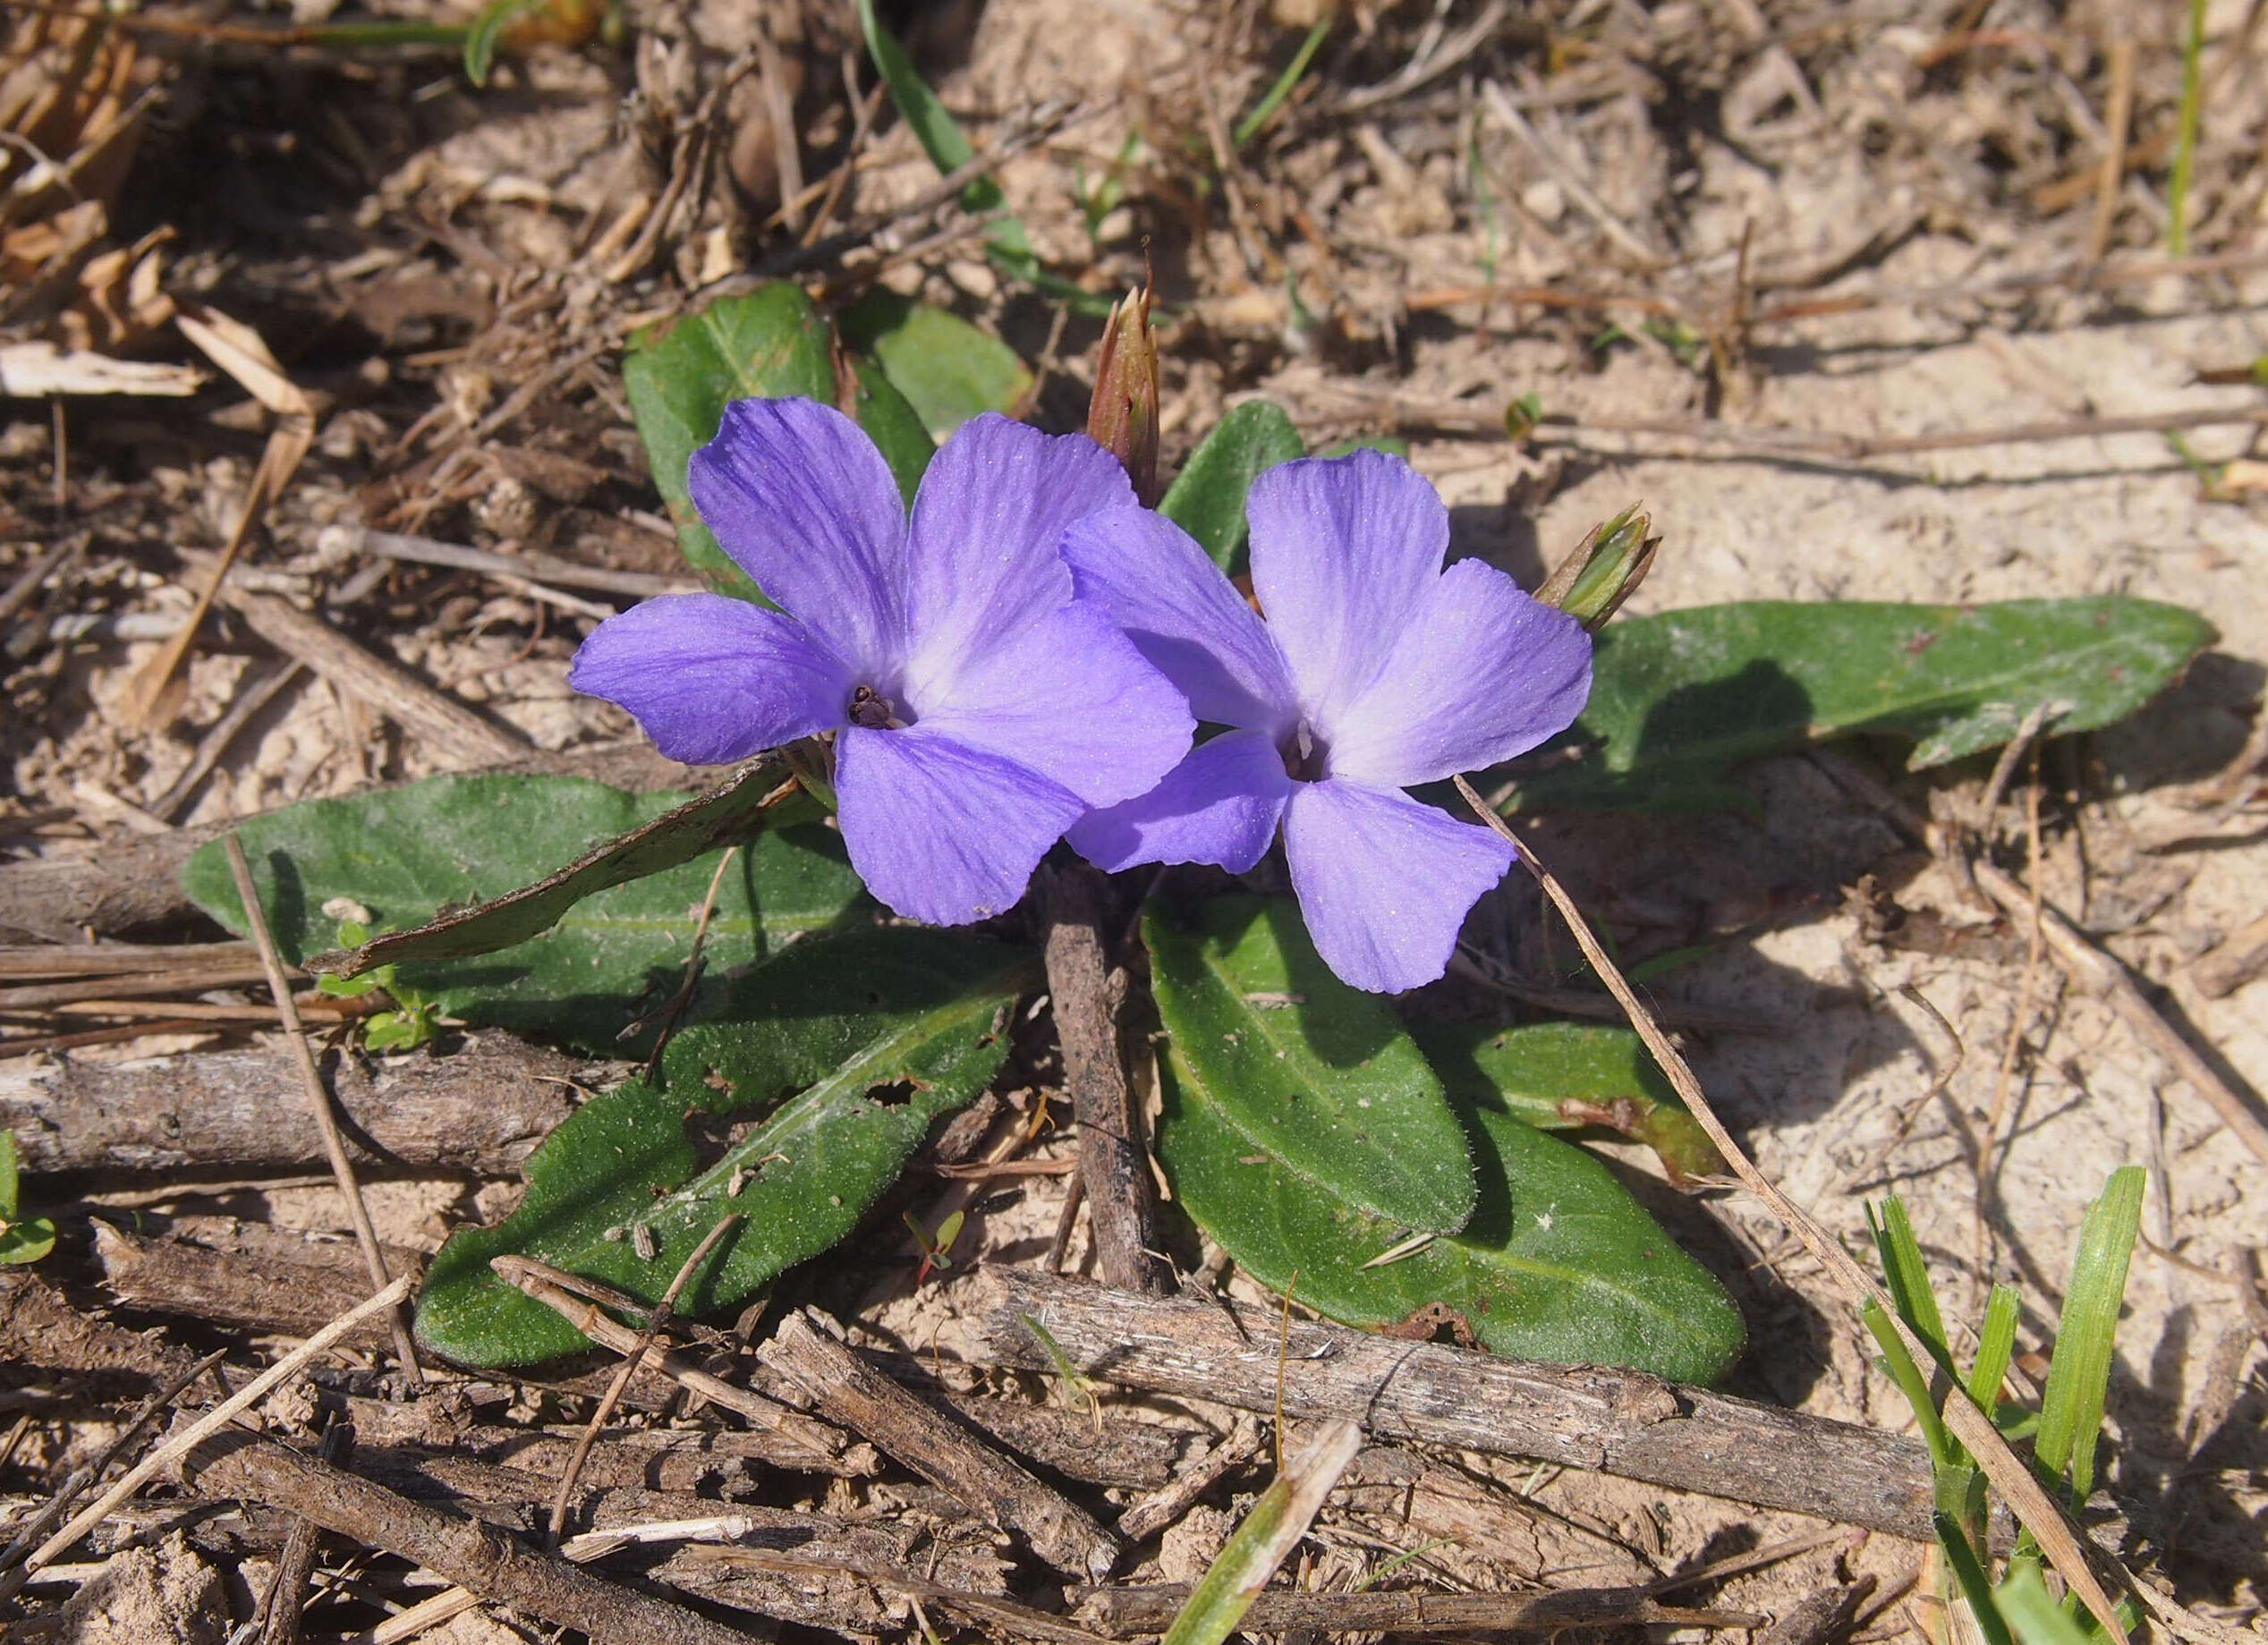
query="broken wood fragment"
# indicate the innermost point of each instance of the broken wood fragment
(846, 1388)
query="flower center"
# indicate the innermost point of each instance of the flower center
(870, 709)
(1307, 757)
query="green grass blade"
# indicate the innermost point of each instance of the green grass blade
(1995, 1346)
(2031, 1614)
(1945, 1453)
(2185, 145)
(1907, 1276)
(2071, 1407)
(1275, 1525)
(1976, 1588)
(1286, 83)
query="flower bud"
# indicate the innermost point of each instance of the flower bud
(1123, 416)
(1605, 569)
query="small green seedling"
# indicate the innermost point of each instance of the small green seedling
(934, 1247)
(22, 1238)
(2017, 1609)
(1074, 1380)
(414, 1019)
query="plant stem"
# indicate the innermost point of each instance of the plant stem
(2185, 148)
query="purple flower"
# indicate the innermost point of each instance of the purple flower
(1376, 669)
(978, 707)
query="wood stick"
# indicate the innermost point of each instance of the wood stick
(544, 1283)
(318, 1096)
(655, 1323)
(1151, 1610)
(24, 959)
(133, 985)
(244, 1467)
(543, 567)
(453, 733)
(480, 1108)
(1609, 1421)
(846, 1388)
(284, 1370)
(1113, 1162)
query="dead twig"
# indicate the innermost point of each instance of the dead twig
(82, 1479)
(847, 1389)
(655, 1325)
(284, 1370)
(1114, 1161)
(569, 1296)
(319, 1099)
(455, 734)
(1123, 1611)
(1605, 1421)
(245, 1467)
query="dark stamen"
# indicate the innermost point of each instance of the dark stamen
(1305, 758)
(872, 709)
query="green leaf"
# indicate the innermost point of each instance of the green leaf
(735, 809)
(947, 369)
(24, 1239)
(1318, 1076)
(771, 343)
(404, 852)
(1558, 1263)
(480, 41)
(1563, 1076)
(1207, 497)
(2079, 1372)
(894, 427)
(847, 1046)
(1679, 698)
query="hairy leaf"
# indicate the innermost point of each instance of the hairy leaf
(755, 797)
(1564, 1076)
(1318, 1076)
(1680, 698)
(948, 370)
(844, 1049)
(405, 853)
(1207, 497)
(771, 343)
(1558, 1262)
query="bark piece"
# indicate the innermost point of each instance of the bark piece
(866, 1401)
(480, 1108)
(1610, 1422)
(237, 1466)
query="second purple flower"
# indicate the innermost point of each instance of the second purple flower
(1376, 670)
(978, 707)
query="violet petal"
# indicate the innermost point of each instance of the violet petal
(1385, 882)
(992, 510)
(1481, 674)
(712, 679)
(940, 832)
(1220, 805)
(1343, 551)
(1185, 616)
(1066, 696)
(804, 503)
